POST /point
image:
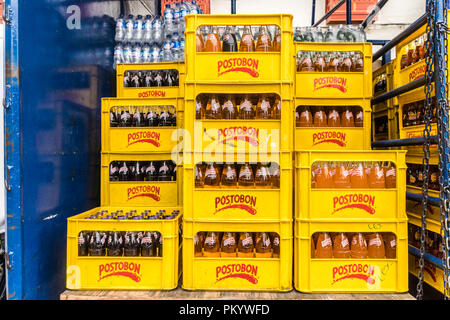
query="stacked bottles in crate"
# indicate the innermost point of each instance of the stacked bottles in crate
(349, 215)
(237, 193)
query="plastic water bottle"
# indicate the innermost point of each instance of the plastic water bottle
(195, 9)
(184, 8)
(147, 26)
(138, 29)
(175, 47)
(169, 20)
(157, 29)
(183, 12)
(177, 16)
(120, 29)
(155, 53)
(118, 54)
(166, 52)
(136, 53)
(129, 28)
(181, 48)
(127, 53)
(145, 53)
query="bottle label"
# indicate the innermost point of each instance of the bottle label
(276, 242)
(198, 105)
(358, 171)
(375, 242)
(125, 116)
(228, 105)
(420, 176)
(265, 105)
(267, 242)
(229, 242)
(231, 174)
(109, 239)
(123, 169)
(146, 240)
(390, 172)
(344, 243)
(246, 105)
(127, 238)
(348, 115)
(359, 116)
(210, 241)
(247, 242)
(196, 239)
(333, 115)
(113, 170)
(81, 239)
(433, 177)
(380, 174)
(210, 173)
(164, 168)
(326, 242)
(393, 243)
(245, 173)
(215, 105)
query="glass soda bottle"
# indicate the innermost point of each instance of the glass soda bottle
(324, 246)
(164, 172)
(229, 40)
(358, 176)
(358, 249)
(246, 111)
(334, 119)
(277, 41)
(245, 245)
(333, 62)
(124, 172)
(320, 64)
(228, 246)
(320, 117)
(276, 110)
(113, 171)
(305, 117)
(114, 245)
(390, 175)
(376, 246)
(199, 109)
(275, 245)
(229, 109)
(198, 244)
(97, 245)
(131, 245)
(376, 176)
(262, 176)
(246, 178)
(323, 176)
(83, 240)
(200, 42)
(347, 119)
(212, 177)
(229, 176)
(198, 177)
(125, 118)
(390, 245)
(359, 118)
(113, 117)
(341, 246)
(264, 43)
(211, 245)
(263, 109)
(263, 245)
(151, 174)
(212, 43)
(347, 63)
(341, 179)
(306, 64)
(275, 175)
(213, 110)
(152, 117)
(247, 42)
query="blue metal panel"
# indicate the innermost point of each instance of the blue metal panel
(52, 130)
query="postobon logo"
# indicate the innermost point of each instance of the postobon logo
(335, 137)
(144, 191)
(248, 134)
(247, 65)
(237, 201)
(121, 269)
(359, 201)
(417, 73)
(244, 271)
(339, 83)
(359, 271)
(152, 93)
(151, 137)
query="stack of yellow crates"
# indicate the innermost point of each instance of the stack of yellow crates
(410, 65)
(122, 147)
(323, 211)
(238, 209)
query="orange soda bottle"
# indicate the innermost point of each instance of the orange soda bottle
(246, 111)
(320, 117)
(245, 245)
(263, 246)
(305, 117)
(229, 109)
(341, 246)
(212, 177)
(213, 109)
(212, 43)
(229, 176)
(358, 176)
(277, 41)
(246, 178)
(211, 245)
(200, 42)
(324, 246)
(358, 249)
(347, 119)
(263, 109)
(263, 43)
(376, 246)
(247, 42)
(341, 179)
(334, 120)
(376, 177)
(324, 176)
(262, 176)
(390, 175)
(228, 247)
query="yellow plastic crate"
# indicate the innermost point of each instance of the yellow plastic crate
(150, 92)
(432, 274)
(140, 193)
(251, 136)
(372, 205)
(261, 274)
(415, 131)
(339, 138)
(125, 273)
(388, 70)
(236, 204)
(331, 85)
(418, 160)
(141, 139)
(350, 275)
(239, 67)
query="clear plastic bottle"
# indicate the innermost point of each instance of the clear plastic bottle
(147, 30)
(120, 29)
(129, 28)
(138, 32)
(166, 52)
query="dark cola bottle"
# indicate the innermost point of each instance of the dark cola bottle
(151, 172)
(131, 245)
(173, 118)
(113, 171)
(148, 79)
(167, 79)
(159, 243)
(113, 117)
(165, 118)
(229, 40)
(115, 244)
(164, 173)
(174, 172)
(125, 118)
(148, 245)
(175, 77)
(83, 241)
(97, 245)
(137, 174)
(158, 79)
(141, 77)
(135, 83)
(124, 172)
(127, 79)
(152, 117)
(138, 118)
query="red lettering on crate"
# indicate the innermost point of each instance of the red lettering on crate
(151, 137)
(360, 271)
(354, 201)
(244, 271)
(248, 134)
(144, 191)
(236, 201)
(335, 137)
(247, 65)
(417, 73)
(152, 93)
(121, 269)
(339, 83)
